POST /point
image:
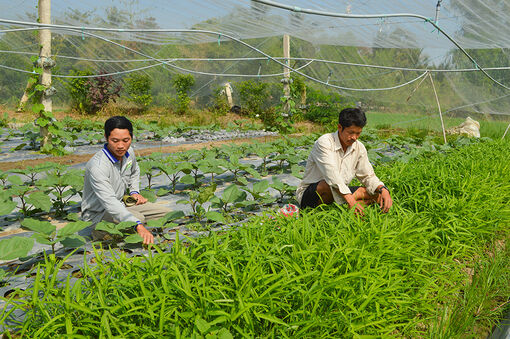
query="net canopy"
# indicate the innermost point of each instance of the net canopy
(388, 54)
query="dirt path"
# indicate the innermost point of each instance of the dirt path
(78, 159)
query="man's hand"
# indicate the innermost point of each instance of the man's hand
(147, 236)
(384, 200)
(139, 198)
(358, 208)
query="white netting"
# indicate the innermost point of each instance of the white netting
(378, 60)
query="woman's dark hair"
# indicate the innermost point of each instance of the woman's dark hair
(117, 122)
(352, 116)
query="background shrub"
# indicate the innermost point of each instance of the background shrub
(78, 89)
(323, 107)
(138, 88)
(101, 90)
(253, 96)
(182, 84)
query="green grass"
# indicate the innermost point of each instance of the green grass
(488, 128)
(435, 266)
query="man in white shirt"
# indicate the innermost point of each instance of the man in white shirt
(109, 174)
(336, 158)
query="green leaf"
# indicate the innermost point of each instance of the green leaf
(7, 206)
(43, 239)
(107, 227)
(36, 108)
(170, 225)
(231, 194)
(253, 172)
(39, 200)
(260, 186)
(73, 241)
(72, 227)
(149, 195)
(206, 194)
(202, 325)
(156, 222)
(224, 333)
(187, 179)
(15, 180)
(133, 239)
(174, 215)
(243, 180)
(15, 247)
(125, 224)
(162, 191)
(72, 217)
(215, 216)
(43, 227)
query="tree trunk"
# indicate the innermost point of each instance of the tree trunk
(45, 54)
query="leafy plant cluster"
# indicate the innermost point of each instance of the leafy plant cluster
(324, 107)
(85, 131)
(432, 267)
(138, 88)
(42, 188)
(90, 94)
(182, 84)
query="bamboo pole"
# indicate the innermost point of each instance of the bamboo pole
(508, 127)
(286, 72)
(438, 106)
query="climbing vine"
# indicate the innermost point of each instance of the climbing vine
(56, 136)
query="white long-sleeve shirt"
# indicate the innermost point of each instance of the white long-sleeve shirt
(106, 181)
(328, 161)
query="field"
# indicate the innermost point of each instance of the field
(227, 265)
(431, 122)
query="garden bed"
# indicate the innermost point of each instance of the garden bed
(421, 270)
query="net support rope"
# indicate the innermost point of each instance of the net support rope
(86, 31)
(383, 16)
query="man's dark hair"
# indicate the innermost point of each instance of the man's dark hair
(352, 116)
(119, 122)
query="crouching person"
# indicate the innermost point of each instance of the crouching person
(109, 175)
(336, 158)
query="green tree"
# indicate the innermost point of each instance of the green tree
(182, 84)
(138, 88)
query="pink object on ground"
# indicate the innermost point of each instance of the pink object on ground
(289, 210)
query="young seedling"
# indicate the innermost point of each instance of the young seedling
(149, 168)
(46, 233)
(212, 165)
(63, 185)
(33, 172)
(197, 198)
(259, 193)
(31, 200)
(232, 196)
(282, 188)
(171, 169)
(237, 167)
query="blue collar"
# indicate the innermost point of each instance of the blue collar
(110, 156)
